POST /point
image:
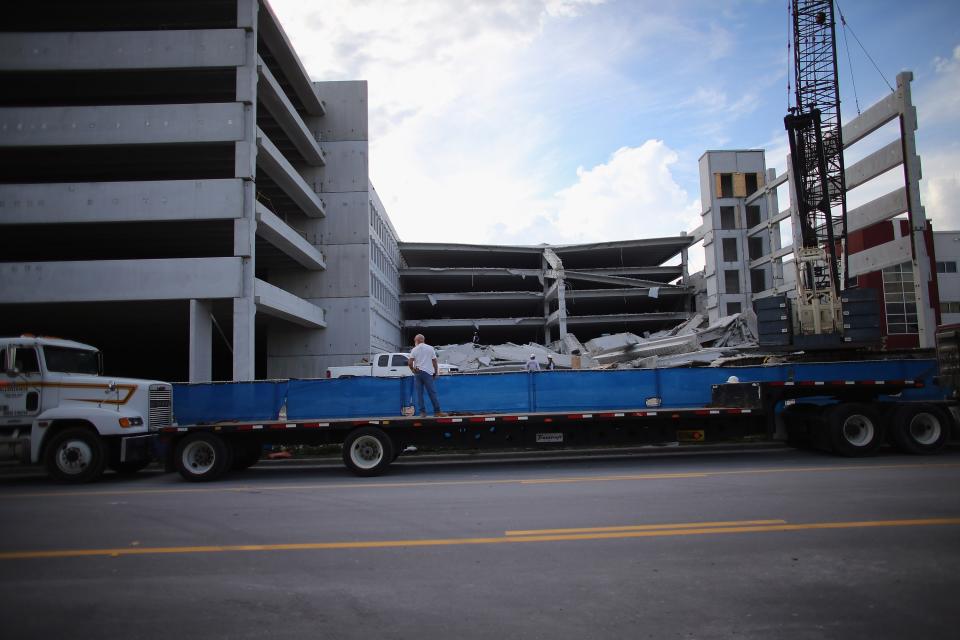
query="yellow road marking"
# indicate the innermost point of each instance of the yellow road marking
(385, 544)
(642, 476)
(644, 527)
(360, 484)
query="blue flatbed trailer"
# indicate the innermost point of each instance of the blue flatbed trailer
(847, 407)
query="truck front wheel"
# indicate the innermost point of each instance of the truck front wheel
(919, 428)
(76, 454)
(367, 451)
(201, 457)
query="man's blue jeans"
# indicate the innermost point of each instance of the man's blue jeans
(423, 379)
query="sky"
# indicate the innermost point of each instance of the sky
(562, 121)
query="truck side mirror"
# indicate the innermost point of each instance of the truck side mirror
(9, 361)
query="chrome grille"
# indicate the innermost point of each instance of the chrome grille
(161, 406)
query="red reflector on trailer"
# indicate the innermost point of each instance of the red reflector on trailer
(245, 427)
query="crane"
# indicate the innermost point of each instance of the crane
(816, 150)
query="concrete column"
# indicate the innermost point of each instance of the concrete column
(201, 341)
(546, 303)
(244, 228)
(926, 316)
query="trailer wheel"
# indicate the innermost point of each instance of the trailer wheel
(246, 454)
(367, 451)
(854, 429)
(920, 428)
(76, 455)
(201, 457)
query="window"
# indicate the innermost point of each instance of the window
(900, 304)
(731, 281)
(758, 280)
(67, 360)
(949, 307)
(728, 218)
(949, 266)
(25, 360)
(752, 182)
(399, 361)
(730, 250)
(383, 360)
(753, 215)
(732, 308)
(724, 185)
(755, 248)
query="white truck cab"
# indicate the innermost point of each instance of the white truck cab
(57, 408)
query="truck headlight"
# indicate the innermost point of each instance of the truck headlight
(131, 422)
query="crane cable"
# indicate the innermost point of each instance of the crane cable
(789, 48)
(843, 22)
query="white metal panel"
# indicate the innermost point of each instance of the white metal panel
(78, 50)
(123, 124)
(878, 162)
(886, 255)
(877, 210)
(280, 235)
(276, 302)
(277, 103)
(872, 119)
(73, 202)
(120, 280)
(271, 160)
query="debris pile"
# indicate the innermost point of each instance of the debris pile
(693, 342)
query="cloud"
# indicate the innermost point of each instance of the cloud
(940, 188)
(940, 99)
(938, 105)
(632, 195)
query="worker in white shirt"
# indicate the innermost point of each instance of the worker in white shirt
(423, 363)
(532, 364)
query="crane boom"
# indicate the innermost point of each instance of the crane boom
(816, 148)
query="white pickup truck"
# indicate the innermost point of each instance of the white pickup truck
(57, 408)
(384, 365)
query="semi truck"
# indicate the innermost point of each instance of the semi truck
(57, 408)
(845, 404)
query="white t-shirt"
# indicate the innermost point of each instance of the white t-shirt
(423, 356)
(533, 365)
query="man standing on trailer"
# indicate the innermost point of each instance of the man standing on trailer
(423, 363)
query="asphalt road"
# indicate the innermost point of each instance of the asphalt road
(763, 544)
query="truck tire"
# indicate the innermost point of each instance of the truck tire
(202, 457)
(367, 451)
(246, 453)
(919, 428)
(854, 429)
(76, 454)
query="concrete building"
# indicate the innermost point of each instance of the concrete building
(735, 233)
(175, 189)
(541, 293)
(947, 249)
